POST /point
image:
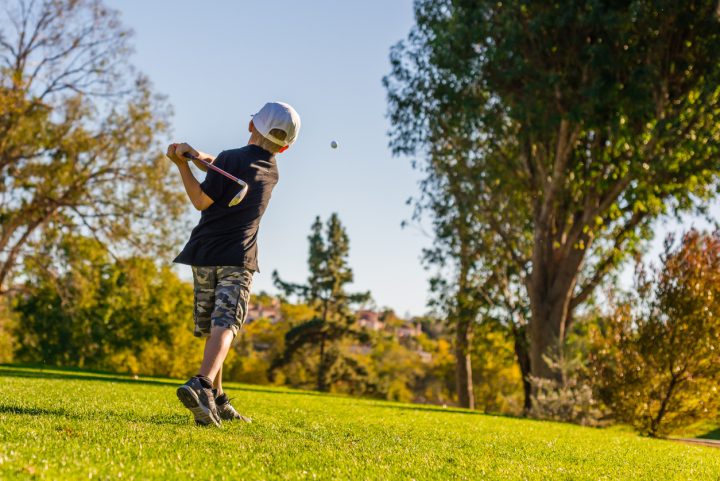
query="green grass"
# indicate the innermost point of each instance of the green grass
(77, 425)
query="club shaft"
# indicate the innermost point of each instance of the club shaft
(209, 165)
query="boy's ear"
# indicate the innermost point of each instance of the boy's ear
(283, 149)
(250, 126)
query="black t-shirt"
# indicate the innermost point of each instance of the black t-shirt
(227, 236)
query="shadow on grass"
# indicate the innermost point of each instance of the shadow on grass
(34, 372)
(38, 373)
(106, 415)
(714, 434)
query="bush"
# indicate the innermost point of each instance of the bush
(569, 399)
(7, 327)
(90, 310)
(657, 362)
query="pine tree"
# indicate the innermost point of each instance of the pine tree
(325, 293)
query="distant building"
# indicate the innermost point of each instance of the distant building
(370, 320)
(409, 329)
(271, 312)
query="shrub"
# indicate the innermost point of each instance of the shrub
(569, 399)
(657, 361)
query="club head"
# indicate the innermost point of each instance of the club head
(239, 197)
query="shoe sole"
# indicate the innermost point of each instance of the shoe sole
(203, 415)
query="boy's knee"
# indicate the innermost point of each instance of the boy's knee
(220, 327)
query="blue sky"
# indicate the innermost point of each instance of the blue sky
(218, 62)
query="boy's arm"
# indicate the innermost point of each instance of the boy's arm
(199, 199)
(204, 156)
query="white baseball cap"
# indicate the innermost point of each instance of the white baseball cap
(277, 115)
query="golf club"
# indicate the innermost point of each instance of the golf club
(243, 186)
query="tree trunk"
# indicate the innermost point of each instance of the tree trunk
(463, 368)
(546, 326)
(466, 311)
(550, 291)
(321, 366)
(522, 354)
(655, 422)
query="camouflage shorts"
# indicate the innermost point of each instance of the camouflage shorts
(222, 294)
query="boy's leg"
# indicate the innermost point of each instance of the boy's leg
(196, 394)
(232, 297)
(218, 383)
(226, 410)
(216, 349)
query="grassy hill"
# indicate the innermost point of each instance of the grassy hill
(78, 425)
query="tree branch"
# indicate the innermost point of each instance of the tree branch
(604, 266)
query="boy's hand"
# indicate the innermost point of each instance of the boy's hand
(176, 152)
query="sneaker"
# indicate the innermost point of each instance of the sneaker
(226, 410)
(200, 401)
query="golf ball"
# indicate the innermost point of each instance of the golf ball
(334, 144)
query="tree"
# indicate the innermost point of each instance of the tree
(325, 293)
(585, 121)
(657, 361)
(81, 307)
(477, 282)
(78, 134)
(453, 251)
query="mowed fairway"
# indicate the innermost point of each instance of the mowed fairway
(75, 425)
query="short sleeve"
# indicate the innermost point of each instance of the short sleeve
(214, 183)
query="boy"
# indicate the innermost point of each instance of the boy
(222, 249)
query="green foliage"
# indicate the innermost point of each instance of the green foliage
(496, 375)
(81, 307)
(438, 384)
(397, 370)
(87, 425)
(79, 135)
(570, 399)
(657, 362)
(86, 309)
(325, 294)
(258, 344)
(7, 327)
(573, 124)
